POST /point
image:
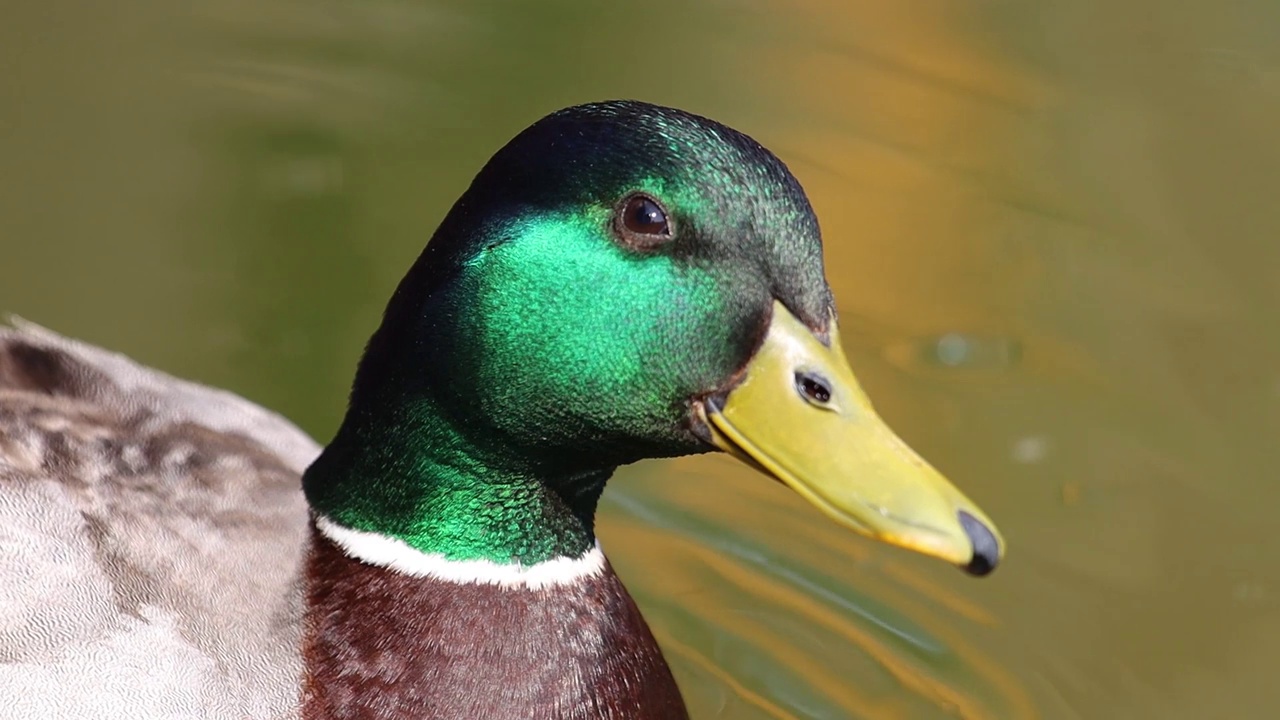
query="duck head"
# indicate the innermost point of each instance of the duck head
(621, 281)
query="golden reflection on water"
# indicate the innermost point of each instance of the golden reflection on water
(1051, 230)
(846, 629)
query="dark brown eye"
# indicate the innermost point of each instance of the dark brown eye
(642, 222)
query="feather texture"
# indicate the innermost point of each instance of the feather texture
(151, 536)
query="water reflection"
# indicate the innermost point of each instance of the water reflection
(847, 628)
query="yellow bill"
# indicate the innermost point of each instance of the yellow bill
(800, 416)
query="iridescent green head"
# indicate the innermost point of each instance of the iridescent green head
(591, 300)
(569, 342)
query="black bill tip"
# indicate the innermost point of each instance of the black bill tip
(986, 550)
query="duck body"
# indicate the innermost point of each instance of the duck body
(621, 281)
(152, 538)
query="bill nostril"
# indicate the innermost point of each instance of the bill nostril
(986, 549)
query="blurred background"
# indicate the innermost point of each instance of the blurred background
(1051, 228)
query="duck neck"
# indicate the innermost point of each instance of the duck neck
(384, 644)
(404, 476)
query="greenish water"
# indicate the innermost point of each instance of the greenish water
(1052, 230)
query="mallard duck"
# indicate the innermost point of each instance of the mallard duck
(621, 281)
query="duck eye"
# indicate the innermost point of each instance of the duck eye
(642, 222)
(642, 215)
